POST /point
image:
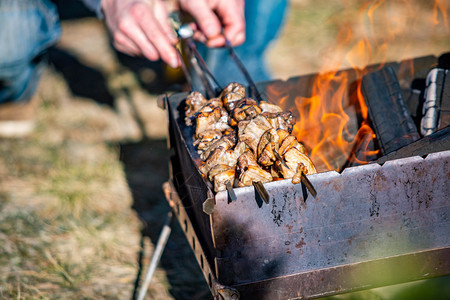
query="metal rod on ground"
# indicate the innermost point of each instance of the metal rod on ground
(156, 257)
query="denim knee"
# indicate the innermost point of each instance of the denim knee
(27, 29)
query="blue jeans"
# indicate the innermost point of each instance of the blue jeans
(263, 18)
(27, 29)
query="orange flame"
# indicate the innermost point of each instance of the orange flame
(332, 116)
(441, 6)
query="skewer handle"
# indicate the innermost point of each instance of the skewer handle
(308, 185)
(261, 190)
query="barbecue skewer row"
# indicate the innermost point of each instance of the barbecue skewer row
(243, 143)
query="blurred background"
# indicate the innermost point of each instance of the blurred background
(81, 204)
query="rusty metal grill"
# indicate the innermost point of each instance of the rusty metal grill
(369, 226)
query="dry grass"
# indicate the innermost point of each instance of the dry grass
(67, 229)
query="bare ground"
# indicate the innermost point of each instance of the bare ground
(78, 197)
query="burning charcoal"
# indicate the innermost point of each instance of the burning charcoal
(270, 108)
(388, 111)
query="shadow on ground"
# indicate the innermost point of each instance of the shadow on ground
(146, 169)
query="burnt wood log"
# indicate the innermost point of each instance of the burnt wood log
(388, 111)
(436, 142)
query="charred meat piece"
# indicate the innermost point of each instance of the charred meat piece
(268, 143)
(214, 159)
(231, 94)
(233, 87)
(220, 156)
(206, 120)
(240, 148)
(245, 160)
(298, 163)
(206, 138)
(270, 108)
(290, 142)
(281, 120)
(226, 142)
(250, 171)
(253, 132)
(282, 134)
(245, 109)
(270, 136)
(294, 156)
(254, 174)
(220, 175)
(207, 106)
(217, 119)
(194, 102)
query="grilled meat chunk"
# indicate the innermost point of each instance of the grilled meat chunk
(220, 175)
(194, 102)
(282, 134)
(253, 132)
(270, 108)
(240, 148)
(231, 94)
(254, 174)
(226, 142)
(245, 109)
(206, 138)
(217, 119)
(245, 160)
(298, 163)
(281, 120)
(290, 142)
(220, 156)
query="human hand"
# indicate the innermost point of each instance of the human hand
(212, 15)
(141, 27)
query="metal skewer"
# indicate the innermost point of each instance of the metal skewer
(303, 177)
(252, 86)
(308, 184)
(261, 190)
(278, 156)
(231, 194)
